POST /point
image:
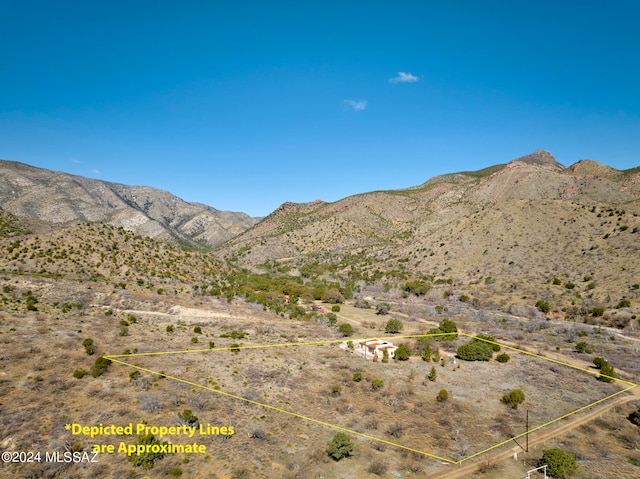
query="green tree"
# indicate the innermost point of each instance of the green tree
(393, 326)
(345, 329)
(340, 446)
(475, 351)
(426, 352)
(560, 464)
(403, 352)
(432, 375)
(385, 356)
(450, 328)
(599, 362)
(607, 373)
(514, 398)
(332, 295)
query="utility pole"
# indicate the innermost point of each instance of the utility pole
(527, 449)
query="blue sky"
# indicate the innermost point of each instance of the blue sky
(245, 105)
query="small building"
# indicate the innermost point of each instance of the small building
(372, 346)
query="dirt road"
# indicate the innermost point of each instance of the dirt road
(537, 437)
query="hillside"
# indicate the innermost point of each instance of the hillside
(512, 251)
(502, 233)
(59, 199)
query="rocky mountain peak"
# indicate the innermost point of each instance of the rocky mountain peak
(540, 157)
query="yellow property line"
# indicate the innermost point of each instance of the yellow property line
(351, 431)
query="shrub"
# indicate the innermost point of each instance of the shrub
(443, 395)
(187, 418)
(170, 328)
(475, 351)
(503, 358)
(340, 446)
(345, 329)
(559, 463)
(543, 306)
(335, 308)
(514, 398)
(583, 347)
(336, 390)
(197, 330)
(383, 309)
(599, 362)
(393, 326)
(100, 366)
(634, 417)
(332, 318)
(376, 384)
(146, 459)
(357, 377)
(432, 374)
(79, 373)
(403, 352)
(607, 373)
(480, 337)
(194, 339)
(377, 467)
(350, 345)
(234, 348)
(88, 346)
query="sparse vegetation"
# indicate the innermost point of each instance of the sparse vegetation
(513, 398)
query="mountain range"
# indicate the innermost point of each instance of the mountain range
(58, 199)
(501, 234)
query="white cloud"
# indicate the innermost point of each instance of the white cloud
(357, 105)
(404, 78)
(75, 160)
(95, 172)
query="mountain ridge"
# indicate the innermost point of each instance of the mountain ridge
(60, 199)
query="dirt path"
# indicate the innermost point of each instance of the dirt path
(537, 437)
